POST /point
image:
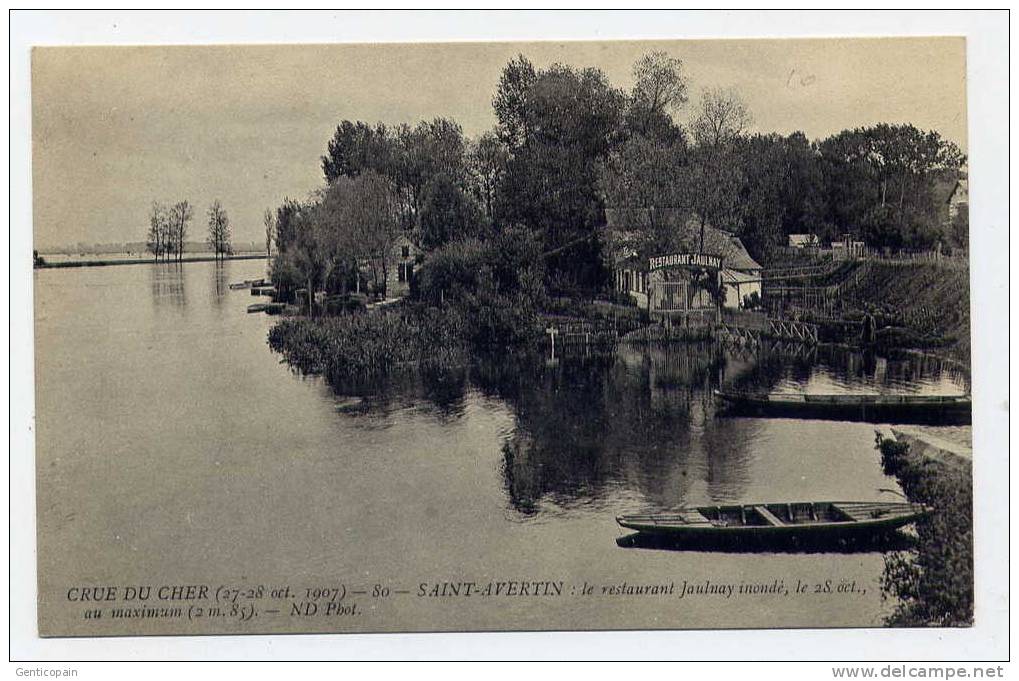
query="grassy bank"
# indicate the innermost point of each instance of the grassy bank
(933, 584)
(923, 306)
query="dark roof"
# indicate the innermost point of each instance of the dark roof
(724, 244)
(716, 241)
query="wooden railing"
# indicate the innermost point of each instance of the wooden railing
(790, 330)
(731, 330)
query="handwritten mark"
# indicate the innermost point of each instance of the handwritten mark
(799, 79)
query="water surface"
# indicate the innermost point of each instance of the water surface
(175, 448)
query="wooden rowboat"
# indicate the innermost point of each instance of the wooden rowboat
(876, 408)
(810, 519)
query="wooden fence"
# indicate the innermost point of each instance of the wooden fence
(776, 329)
(795, 331)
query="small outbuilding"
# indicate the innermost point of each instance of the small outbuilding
(804, 241)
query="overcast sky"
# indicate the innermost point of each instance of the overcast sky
(117, 128)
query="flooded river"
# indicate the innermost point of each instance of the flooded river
(175, 448)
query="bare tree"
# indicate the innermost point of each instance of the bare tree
(721, 117)
(219, 229)
(659, 87)
(180, 215)
(156, 239)
(714, 176)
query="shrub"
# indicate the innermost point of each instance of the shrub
(934, 583)
(493, 287)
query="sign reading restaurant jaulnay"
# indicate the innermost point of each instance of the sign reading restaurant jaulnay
(685, 260)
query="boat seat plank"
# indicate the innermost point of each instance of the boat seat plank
(770, 517)
(694, 516)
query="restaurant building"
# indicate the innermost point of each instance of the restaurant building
(683, 284)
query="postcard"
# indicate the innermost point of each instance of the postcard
(495, 336)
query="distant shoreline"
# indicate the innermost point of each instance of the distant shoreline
(143, 261)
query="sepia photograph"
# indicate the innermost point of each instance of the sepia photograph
(551, 335)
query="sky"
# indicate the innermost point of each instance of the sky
(116, 128)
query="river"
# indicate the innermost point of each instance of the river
(174, 447)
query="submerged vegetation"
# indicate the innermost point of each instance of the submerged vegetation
(933, 583)
(365, 347)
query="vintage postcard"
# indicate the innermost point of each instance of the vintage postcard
(502, 336)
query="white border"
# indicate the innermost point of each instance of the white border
(988, 86)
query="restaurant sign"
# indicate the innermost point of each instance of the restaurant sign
(685, 260)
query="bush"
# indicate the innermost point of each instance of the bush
(492, 287)
(934, 583)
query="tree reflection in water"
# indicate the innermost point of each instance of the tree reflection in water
(219, 285)
(636, 419)
(640, 418)
(167, 283)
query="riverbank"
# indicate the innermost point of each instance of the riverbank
(105, 262)
(922, 306)
(933, 583)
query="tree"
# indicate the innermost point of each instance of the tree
(511, 104)
(711, 183)
(322, 245)
(447, 213)
(487, 158)
(408, 156)
(180, 215)
(492, 288)
(421, 153)
(372, 211)
(356, 147)
(219, 230)
(850, 181)
(334, 220)
(288, 266)
(659, 89)
(156, 240)
(721, 117)
(781, 190)
(714, 178)
(879, 183)
(269, 220)
(286, 224)
(642, 183)
(558, 125)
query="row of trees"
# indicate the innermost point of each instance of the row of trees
(168, 229)
(568, 146)
(169, 225)
(346, 231)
